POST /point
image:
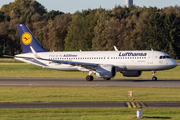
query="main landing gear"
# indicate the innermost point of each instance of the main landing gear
(154, 78)
(90, 77)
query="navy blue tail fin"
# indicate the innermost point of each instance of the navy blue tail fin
(28, 39)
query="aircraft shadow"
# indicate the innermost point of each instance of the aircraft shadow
(155, 117)
(139, 80)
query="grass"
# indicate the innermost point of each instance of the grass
(28, 94)
(89, 114)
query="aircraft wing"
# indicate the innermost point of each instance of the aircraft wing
(91, 66)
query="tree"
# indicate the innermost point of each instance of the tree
(155, 32)
(36, 17)
(99, 42)
(172, 34)
(81, 31)
(2, 17)
(52, 14)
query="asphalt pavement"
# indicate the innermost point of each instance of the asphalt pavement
(90, 105)
(83, 82)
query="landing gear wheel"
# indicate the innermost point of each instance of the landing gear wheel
(154, 78)
(107, 78)
(89, 78)
(92, 78)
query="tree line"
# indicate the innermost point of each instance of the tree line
(133, 28)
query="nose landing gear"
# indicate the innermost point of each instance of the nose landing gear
(154, 78)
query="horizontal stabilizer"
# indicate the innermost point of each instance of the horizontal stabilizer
(8, 56)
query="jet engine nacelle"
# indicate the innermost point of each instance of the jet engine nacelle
(131, 73)
(106, 71)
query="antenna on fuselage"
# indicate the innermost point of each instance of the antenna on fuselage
(151, 49)
(115, 48)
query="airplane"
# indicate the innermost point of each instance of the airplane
(104, 64)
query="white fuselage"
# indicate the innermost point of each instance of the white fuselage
(123, 60)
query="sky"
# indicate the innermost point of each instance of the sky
(71, 6)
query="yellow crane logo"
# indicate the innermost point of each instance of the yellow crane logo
(26, 38)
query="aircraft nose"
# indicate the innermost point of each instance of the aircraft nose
(174, 63)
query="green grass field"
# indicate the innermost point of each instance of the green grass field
(89, 114)
(28, 94)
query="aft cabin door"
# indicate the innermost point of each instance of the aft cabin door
(150, 57)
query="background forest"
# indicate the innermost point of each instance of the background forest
(134, 28)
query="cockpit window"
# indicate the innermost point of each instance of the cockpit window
(164, 57)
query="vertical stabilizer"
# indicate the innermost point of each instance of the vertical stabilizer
(28, 39)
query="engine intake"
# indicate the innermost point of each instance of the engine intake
(106, 71)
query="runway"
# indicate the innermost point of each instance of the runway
(89, 105)
(83, 82)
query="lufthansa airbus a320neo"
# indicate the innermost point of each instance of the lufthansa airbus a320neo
(105, 64)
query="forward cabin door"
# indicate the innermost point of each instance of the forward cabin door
(150, 57)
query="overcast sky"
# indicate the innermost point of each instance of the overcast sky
(74, 5)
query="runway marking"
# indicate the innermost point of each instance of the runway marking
(142, 104)
(135, 105)
(129, 105)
